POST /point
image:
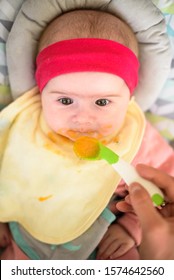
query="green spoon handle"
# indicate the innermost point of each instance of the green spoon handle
(130, 175)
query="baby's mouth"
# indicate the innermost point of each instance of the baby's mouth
(74, 134)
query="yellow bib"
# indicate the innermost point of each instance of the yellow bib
(43, 185)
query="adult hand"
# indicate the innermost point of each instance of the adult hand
(157, 225)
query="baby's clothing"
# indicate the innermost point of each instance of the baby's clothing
(53, 180)
(74, 250)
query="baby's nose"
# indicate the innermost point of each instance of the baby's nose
(84, 116)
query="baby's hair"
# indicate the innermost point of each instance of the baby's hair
(88, 24)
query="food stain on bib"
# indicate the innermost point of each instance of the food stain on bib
(43, 198)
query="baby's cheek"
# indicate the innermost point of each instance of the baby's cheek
(107, 129)
(55, 123)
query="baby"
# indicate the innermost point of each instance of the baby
(88, 101)
(87, 70)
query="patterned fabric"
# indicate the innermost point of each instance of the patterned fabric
(161, 114)
(8, 12)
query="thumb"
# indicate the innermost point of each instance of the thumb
(143, 207)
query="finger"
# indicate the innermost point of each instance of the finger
(123, 206)
(109, 250)
(120, 251)
(143, 207)
(105, 243)
(161, 179)
(127, 199)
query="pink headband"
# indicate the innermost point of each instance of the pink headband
(87, 55)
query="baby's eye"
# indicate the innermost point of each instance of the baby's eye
(102, 102)
(65, 100)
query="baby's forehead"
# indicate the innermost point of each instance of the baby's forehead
(99, 82)
(88, 87)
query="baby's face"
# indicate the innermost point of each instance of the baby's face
(88, 103)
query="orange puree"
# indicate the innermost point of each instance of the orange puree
(86, 147)
(43, 198)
